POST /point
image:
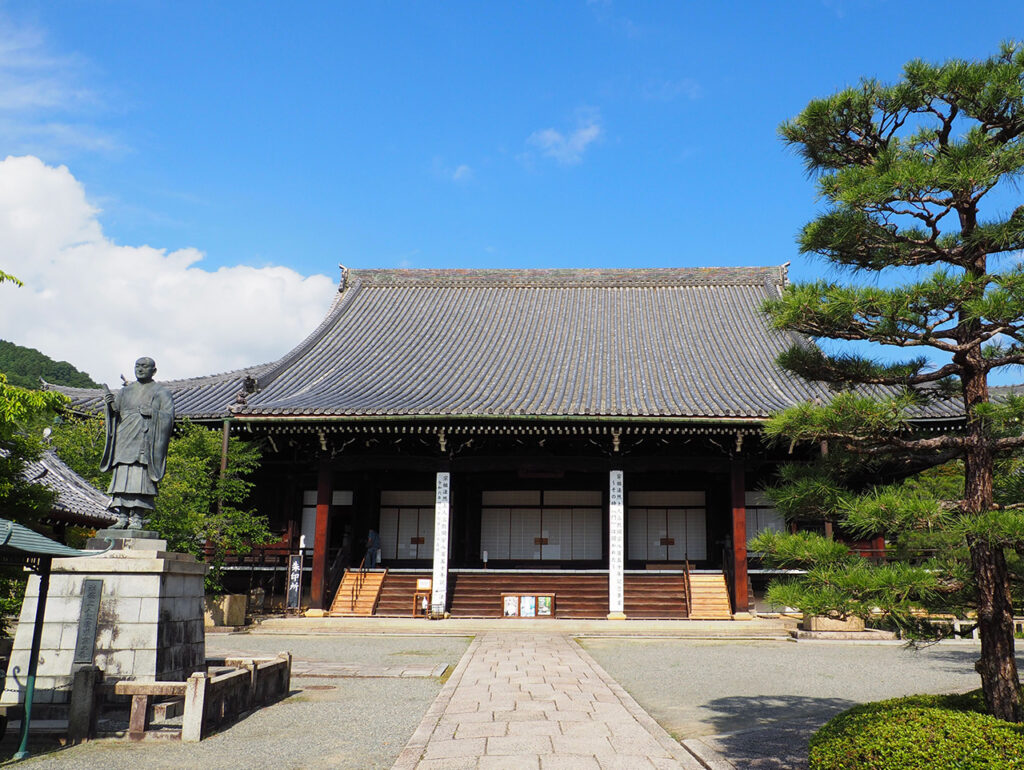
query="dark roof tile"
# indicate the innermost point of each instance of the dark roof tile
(667, 342)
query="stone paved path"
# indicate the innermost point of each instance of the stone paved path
(524, 700)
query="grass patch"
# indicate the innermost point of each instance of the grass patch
(925, 732)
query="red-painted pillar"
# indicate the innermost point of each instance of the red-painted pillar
(323, 508)
(739, 538)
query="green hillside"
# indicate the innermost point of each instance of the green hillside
(24, 366)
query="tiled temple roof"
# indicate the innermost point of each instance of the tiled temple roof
(78, 502)
(662, 343)
(198, 398)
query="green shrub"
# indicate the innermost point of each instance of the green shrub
(925, 732)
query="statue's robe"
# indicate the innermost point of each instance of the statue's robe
(136, 445)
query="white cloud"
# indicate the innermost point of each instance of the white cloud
(442, 170)
(43, 97)
(101, 305)
(33, 78)
(567, 148)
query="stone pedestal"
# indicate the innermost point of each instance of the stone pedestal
(822, 623)
(148, 619)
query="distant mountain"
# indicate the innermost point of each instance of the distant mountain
(24, 366)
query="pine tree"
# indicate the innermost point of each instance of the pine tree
(913, 176)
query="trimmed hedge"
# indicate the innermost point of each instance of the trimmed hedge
(925, 732)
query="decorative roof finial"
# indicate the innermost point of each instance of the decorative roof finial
(344, 277)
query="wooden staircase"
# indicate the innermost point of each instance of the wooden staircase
(655, 596)
(397, 592)
(357, 598)
(709, 597)
(478, 594)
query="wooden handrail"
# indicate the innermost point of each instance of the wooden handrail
(337, 572)
(687, 591)
(358, 584)
(727, 570)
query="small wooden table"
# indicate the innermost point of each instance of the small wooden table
(418, 606)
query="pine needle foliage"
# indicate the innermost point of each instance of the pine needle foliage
(914, 177)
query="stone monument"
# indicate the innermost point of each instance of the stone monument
(136, 610)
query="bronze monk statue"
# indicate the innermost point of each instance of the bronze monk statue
(139, 420)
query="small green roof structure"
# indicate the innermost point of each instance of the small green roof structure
(17, 539)
(19, 544)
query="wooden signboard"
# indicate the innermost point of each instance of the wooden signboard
(294, 581)
(421, 599)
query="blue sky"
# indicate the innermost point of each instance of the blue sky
(544, 134)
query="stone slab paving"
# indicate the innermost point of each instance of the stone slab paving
(535, 700)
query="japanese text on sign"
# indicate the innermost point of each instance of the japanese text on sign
(615, 542)
(439, 593)
(294, 581)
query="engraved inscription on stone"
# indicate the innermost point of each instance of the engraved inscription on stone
(92, 590)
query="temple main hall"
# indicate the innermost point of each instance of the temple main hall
(564, 443)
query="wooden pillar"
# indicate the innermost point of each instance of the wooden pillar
(739, 538)
(318, 583)
(225, 433)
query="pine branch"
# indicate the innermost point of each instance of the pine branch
(1008, 443)
(911, 316)
(812, 363)
(886, 444)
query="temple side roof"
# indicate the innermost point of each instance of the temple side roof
(664, 343)
(197, 398)
(78, 502)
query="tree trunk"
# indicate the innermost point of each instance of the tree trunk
(998, 665)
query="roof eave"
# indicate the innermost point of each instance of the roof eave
(256, 418)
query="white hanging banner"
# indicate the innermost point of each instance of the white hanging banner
(616, 541)
(442, 507)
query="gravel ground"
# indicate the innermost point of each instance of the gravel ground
(368, 649)
(764, 699)
(361, 723)
(760, 699)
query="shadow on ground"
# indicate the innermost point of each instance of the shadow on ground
(766, 732)
(52, 744)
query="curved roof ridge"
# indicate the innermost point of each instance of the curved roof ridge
(348, 289)
(185, 382)
(575, 277)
